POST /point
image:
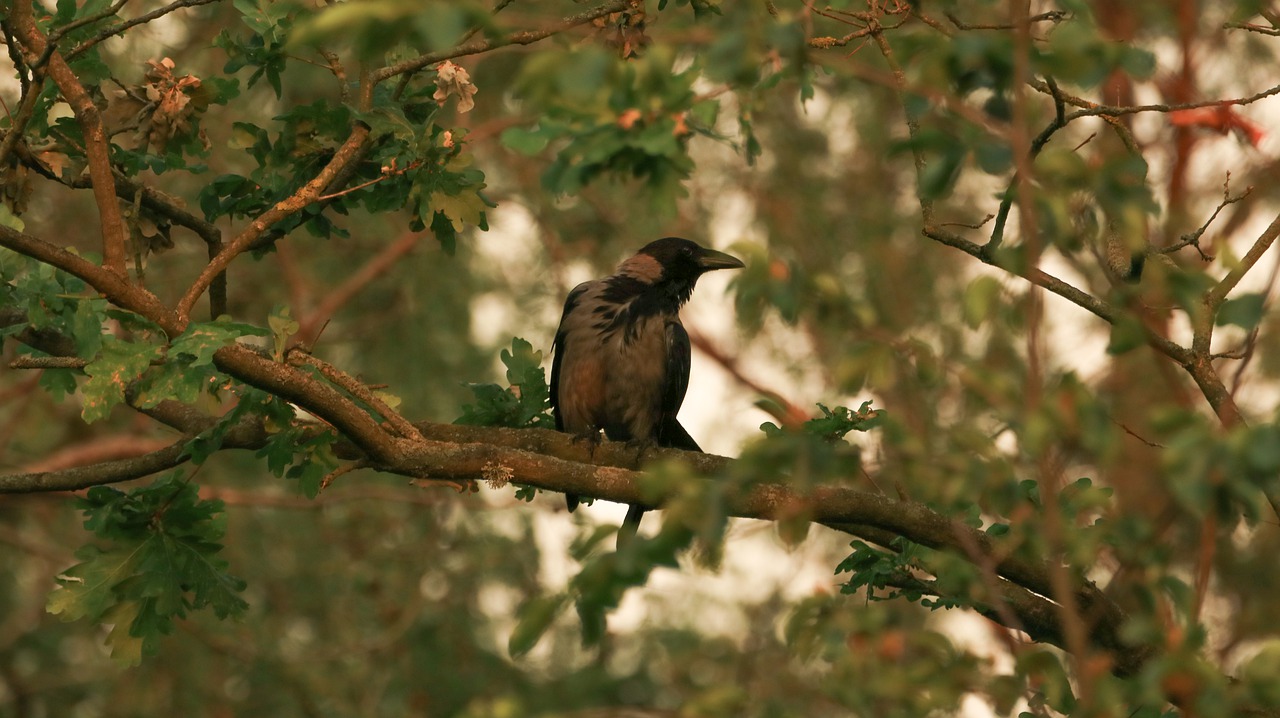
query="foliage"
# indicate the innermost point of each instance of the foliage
(162, 561)
(1056, 299)
(524, 403)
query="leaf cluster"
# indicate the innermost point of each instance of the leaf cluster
(526, 400)
(160, 561)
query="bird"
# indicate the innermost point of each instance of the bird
(621, 357)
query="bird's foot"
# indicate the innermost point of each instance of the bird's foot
(592, 439)
(640, 447)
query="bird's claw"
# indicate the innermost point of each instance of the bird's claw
(592, 439)
(641, 447)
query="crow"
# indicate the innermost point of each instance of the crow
(621, 355)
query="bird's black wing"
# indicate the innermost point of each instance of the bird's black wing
(670, 432)
(557, 351)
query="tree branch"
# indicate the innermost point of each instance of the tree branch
(524, 37)
(350, 152)
(113, 286)
(315, 320)
(106, 472)
(114, 231)
(120, 27)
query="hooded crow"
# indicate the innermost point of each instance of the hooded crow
(621, 361)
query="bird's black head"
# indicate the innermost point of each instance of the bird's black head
(673, 265)
(682, 259)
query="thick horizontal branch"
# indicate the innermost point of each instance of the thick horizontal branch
(105, 472)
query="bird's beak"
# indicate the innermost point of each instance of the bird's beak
(710, 259)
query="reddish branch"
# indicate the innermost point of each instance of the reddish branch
(107, 448)
(315, 320)
(97, 153)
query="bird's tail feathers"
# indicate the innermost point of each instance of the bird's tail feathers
(671, 434)
(630, 525)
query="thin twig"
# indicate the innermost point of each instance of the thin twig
(1053, 16)
(344, 469)
(95, 137)
(1272, 31)
(349, 153)
(524, 37)
(1193, 238)
(125, 25)
(1037, 145)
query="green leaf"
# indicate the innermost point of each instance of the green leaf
(9, 219)
(119, 364)
(163, 561)
(524, 141)
(1244, 311)
(533, 620)
(1127, 334)
(523, 404)
(86, 590)
(981, 298)
(127, 648)
(202, 339)
(282, 327)
(58, 382)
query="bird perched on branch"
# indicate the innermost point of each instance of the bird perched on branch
(622, 356)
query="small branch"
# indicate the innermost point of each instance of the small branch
(1091, 110)
(341, 470)
(1082, 299)
(61, 32)
(339, 73)
(32, 362)
(1037, 144)
(106, 472)
(317, 397)
(350, 152)
(26, 110)
(1214, 298)
(526, 37)
(1193, 238)
(95, 136)
(108, 283)
(913, 122)
(1261, 30)
(1053, 16)
(969, 225)
(387, 172)
(379, 264)
(298, 357)
(120, 27)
